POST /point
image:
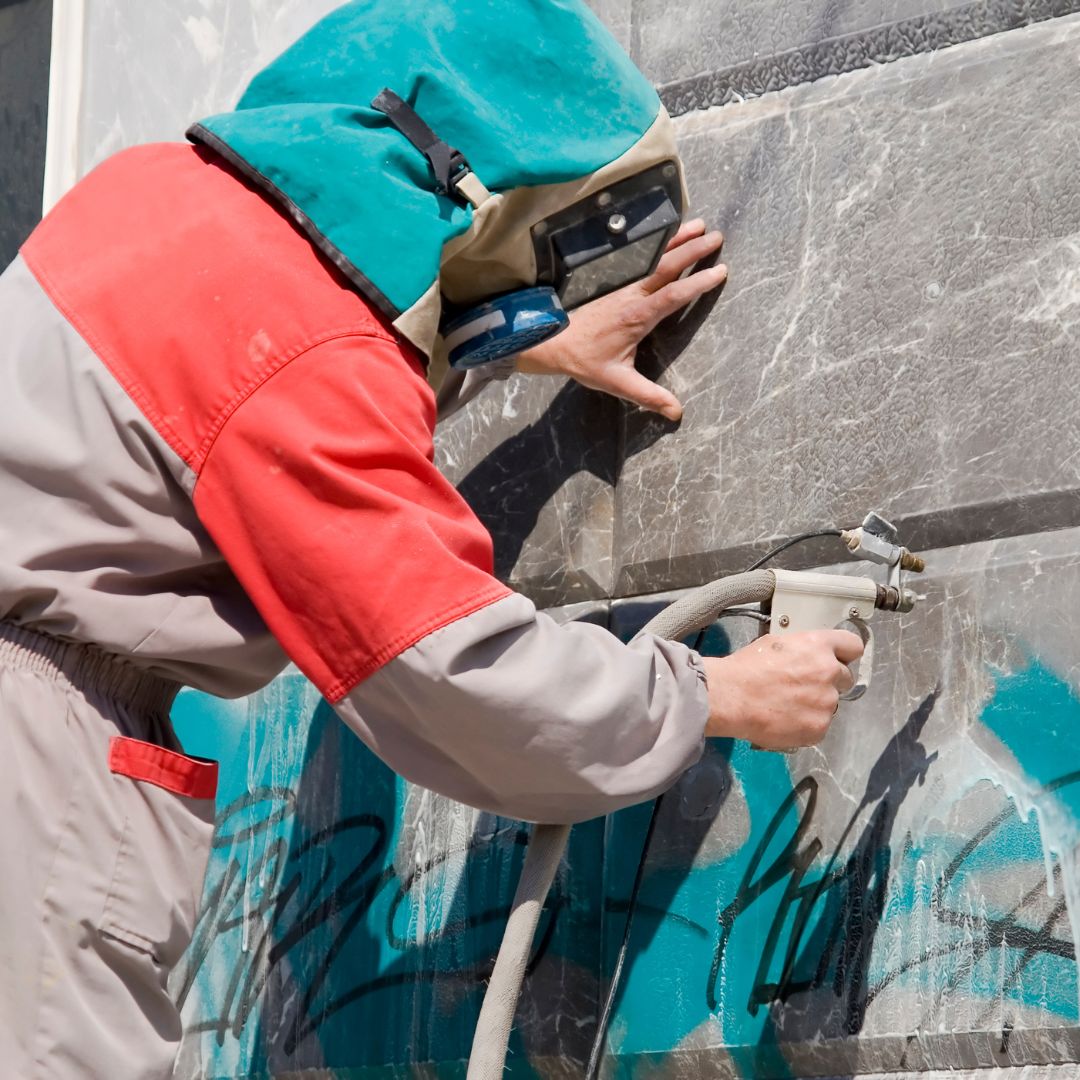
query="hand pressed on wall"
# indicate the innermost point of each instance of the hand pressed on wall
(600, 345)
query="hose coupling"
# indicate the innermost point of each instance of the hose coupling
(891, 598)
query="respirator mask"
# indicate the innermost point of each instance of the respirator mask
(601, 243)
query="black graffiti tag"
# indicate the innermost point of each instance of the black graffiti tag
(291, 903)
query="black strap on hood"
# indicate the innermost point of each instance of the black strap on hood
(449, 165)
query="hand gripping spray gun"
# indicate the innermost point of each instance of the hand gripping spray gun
(789, 601)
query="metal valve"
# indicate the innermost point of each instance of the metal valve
(878, 541)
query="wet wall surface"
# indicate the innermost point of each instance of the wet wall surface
(25, 27)
(896, 181)
(902, 897)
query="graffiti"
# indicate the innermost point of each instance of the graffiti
(329, 907)
(290, 907)
(1009, 931)
(854, 894)
(821, 918)
(839, 951)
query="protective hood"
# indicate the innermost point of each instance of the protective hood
(536, 95)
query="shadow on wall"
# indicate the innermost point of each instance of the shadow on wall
(831, 952)
(510, 508)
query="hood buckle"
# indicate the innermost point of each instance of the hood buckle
(453, 174)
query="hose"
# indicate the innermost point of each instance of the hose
(703, 606)
(693, 612)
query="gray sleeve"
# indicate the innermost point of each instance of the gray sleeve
(507, 711)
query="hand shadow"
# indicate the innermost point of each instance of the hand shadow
(580, 431)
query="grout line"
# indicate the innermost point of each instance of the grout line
(862, 49)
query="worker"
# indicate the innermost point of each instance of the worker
(217, 404)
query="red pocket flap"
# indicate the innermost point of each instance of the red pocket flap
(195, 777)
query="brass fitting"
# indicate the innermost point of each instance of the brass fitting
(909, 561)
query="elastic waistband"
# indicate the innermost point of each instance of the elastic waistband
(86, 668)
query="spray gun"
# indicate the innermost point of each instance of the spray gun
(785, 601)
(803, 600)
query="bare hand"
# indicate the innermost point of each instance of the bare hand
(782, 690)
(599, 346)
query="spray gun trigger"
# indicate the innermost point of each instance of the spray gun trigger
(866, 664)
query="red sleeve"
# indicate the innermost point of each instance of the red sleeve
(321, 493)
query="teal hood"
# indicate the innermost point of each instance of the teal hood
(536, 94)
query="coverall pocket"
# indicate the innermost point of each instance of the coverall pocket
(156, 884)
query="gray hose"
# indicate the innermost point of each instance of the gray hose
(492, 1036)
(704, 606)
(490, 1041)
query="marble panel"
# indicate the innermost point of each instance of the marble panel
(902, 898)
(617, 16)
(24, 95)
(900, 322)
(535, 458)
